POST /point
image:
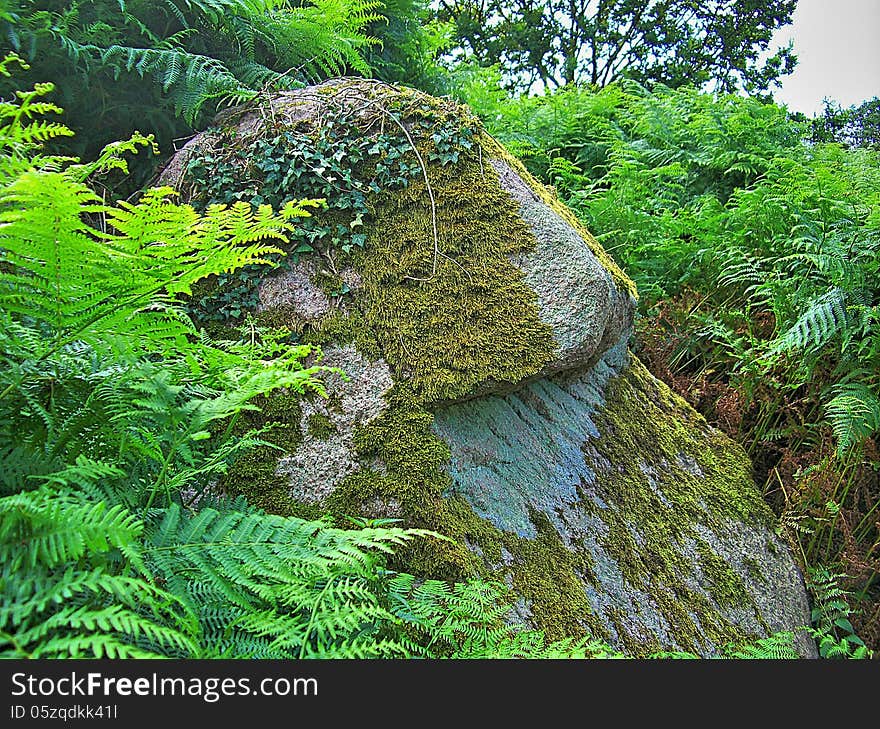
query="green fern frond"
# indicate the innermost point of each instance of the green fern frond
(830, 615)
(854, 414)
(49, 528)
(93, 286)
(776, 647)
(244, 46)
(825, 318)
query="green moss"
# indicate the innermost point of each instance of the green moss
(633, 646)
(330, 283)
(412, 474)
(280, 317)
(253, 475)
(754, 570)
(725, 586)
(546, 573)
(550, 576)
(320, 426)
(344, 328)
(644, 422)
(451, 319)
(643, 417)
(446, 311)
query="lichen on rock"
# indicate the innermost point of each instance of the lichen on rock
(491, 395)
(325, 454)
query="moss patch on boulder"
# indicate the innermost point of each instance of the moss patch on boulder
(641, 514)
(451, 320)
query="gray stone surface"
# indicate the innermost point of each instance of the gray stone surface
(295, 288)
(535, 449)
(523, 450)
(576, 295)
(321, 463)
(174, 173)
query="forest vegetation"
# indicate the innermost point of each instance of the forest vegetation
(752, 233)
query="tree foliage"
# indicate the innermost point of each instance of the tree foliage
(675, 42)
(163, 67)
(855, 126)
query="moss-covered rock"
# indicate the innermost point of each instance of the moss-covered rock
(658, 512)
(490, 394)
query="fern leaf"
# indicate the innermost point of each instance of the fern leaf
(825, 318)
(854, 413)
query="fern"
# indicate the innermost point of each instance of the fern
(113, 286)
(854, 413)
(89, 297)
(56, 528)
(232, 580)
(824, 319)
(212, 52)
(192, 80)
(777, 646)
(57, 597)
(92, 286)
(831, 613)
(301, 589)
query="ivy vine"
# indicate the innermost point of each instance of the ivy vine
(336, 162)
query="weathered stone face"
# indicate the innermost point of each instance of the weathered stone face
(672, 536)
(491, 397)
(577, 296)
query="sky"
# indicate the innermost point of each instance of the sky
(838, 47)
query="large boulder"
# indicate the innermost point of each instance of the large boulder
(489, 392)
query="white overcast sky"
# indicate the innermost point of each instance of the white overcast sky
(838, 47)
